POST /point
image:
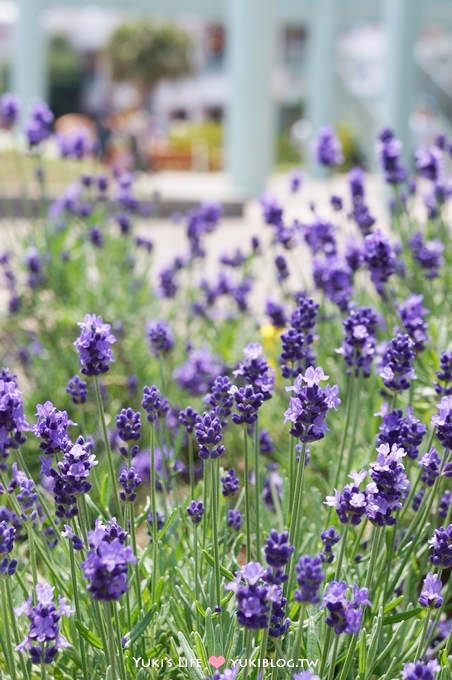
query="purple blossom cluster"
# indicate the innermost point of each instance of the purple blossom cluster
(310, 404)
(345, 615)
(93, 345)
(107, 561)
(44, 638)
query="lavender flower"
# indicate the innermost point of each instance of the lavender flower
(329, 538)
(220, 398)
(266, 446)
(7, 536)
(278, 549)
(359, 344)
(196, 511)
(161, 338)
(444, 374)
(209, 435)
(282, 270)
(76, 541)
(196, 376)
(328, 149)
(310, 576)
(429, 254)
(429, 163)
(51, 427)
(273, 485)
(431, 464)
(407, 432)
(345, 615)
(255, 371)
(276, 313)
(310, 404)
(230, 483)
(9, 109)
(188, 418)
(129, 481)
(247, 402)
(380, 258)
(39, 126)
(160, 520)
(106, 565)
(431, 592)
(441, 547)
(396, 365)
(12, 419)
(153, 403)
(443, 421)
(334, 278)
(295, 180)
(44, 638)
(78, 390)
(235, 519)
(389, 149)
(71, 476)
(391, 484)
(412, 315)
(444, 504)
(420, 671)
(351, 503)
(254, 596)
(320, 237)
(93, 345)
(26, 494)
(128, 424)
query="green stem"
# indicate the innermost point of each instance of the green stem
(423, 636)
(195, 552)
(100, 408)
(249, 641)
(215, 503)
(122, 669)
(333, 657)
(348, 658)
(14, 625)
(297, 643)
(154, 518)
(191, 466)
(247, 496)
(340, 559)
(135, 552)
(348, 411)
(291, 469)
(257, 488)
(356, 412)
(7, 633)
(110, 639)
(295, 512)
(75, 588)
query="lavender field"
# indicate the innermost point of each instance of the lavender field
(234, 466)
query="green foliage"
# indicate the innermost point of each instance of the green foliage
(65, 76)
(147, 51)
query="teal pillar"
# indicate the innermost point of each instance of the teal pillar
(29, 58)
(250, 124)
(401, 19)
(320, 93)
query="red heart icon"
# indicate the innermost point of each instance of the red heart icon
(216, 661)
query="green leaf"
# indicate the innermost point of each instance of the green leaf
(226, 573)
(192, 660)
(393, 604)
(403, 616)
(89, 636)
(141, 626)
(167, 524)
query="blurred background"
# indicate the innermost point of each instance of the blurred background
(234, 87)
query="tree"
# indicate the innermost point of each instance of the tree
(146, 52)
